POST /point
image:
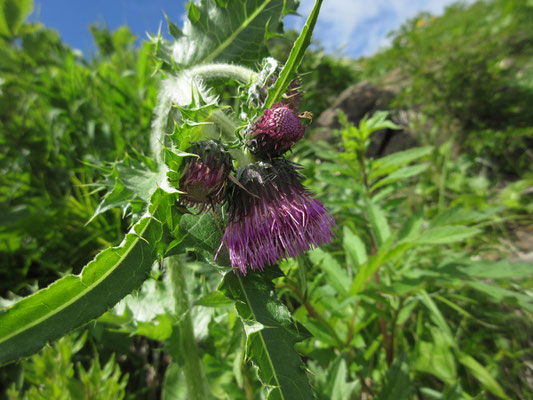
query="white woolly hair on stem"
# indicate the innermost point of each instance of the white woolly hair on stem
(183, 89)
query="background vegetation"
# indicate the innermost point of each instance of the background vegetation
(426, 292)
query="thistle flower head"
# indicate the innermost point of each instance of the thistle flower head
(276, 131)
(203, 179)
(272, 216)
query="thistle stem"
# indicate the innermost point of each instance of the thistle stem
(224, 71)
(188, 350)
(228, 127)
(226, 124)
(177, 90)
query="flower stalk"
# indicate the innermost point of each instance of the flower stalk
(195, 378)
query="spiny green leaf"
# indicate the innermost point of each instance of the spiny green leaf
(74, 300)
(230, 32)
(295, 58)
(271, 342)
(173, 29)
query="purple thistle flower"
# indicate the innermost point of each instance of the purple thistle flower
(272, 216)
(276, 131)
(204, 178)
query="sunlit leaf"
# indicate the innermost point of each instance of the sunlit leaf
(76, 299)
(234, 32)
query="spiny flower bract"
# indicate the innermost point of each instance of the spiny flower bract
(204, 178)
(275, 132)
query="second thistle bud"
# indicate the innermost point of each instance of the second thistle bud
(204, 178)
(275, 132)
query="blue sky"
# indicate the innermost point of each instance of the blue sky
(347, 27)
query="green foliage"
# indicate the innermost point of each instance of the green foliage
(12, 16)
(270, 335)
(51, 375)
(421, 295)
(404, 299)
(59, 114)
(74, 300)
(220, 31)
(295, 58)
(470, 72)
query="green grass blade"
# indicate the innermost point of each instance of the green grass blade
(295, 57)
(75, 300)
(481, 373)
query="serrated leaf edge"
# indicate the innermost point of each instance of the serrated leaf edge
(132, 232)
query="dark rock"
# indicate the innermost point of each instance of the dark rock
(357, 101)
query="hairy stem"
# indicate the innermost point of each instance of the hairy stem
(185, 88)
(226, 124)
(224, 71)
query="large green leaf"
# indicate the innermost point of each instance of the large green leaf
(227, 31)
(271, 334)
(12, 15)
(446, 234)
(388, 164)
(74, 300)
(397, 383)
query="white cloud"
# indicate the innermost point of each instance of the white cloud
(360, 27)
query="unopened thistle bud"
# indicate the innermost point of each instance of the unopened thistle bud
(272, 216)
(275, 132)
(204, 178)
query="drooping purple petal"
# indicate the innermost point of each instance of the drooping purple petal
(276, 219)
